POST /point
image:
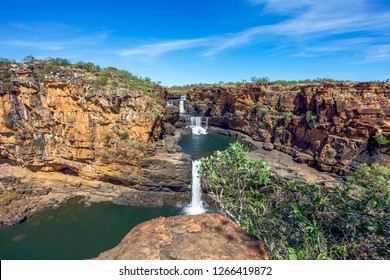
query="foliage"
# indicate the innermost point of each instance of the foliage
(332, 152)
(223, 173)
(106, 140)
(58, 61)
(280, 129)
(261, 125)
(187, 87)
(38, 142)
(6, 61)
(124, 135)
(264, 112)
(310, 117)
(287, 116)
(88, 66)
(258, 105)
(382, 139)
(260, 79)
(29, 58)
(381, 113)
(297, 220)
(101, 78)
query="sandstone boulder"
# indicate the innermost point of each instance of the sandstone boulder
(198, 237)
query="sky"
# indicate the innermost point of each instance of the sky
(181, 42)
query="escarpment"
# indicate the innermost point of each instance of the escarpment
(334, 126)
(95, 125)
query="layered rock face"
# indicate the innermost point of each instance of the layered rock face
(332, 125)
(63, 124)
(199, 237)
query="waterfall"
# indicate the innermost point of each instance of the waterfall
(196, 206)
(181, 104)
(195, 123)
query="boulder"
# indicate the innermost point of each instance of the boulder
(197, 237)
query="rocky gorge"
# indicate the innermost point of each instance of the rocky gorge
(332, 126)
(102, 134)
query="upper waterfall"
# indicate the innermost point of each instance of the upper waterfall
(181, 104)
(195, 123)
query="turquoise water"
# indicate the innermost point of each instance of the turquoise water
(203, 145)
(74, 231)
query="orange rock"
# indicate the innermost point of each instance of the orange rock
(198, 237)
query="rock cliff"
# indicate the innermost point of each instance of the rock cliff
(101, 125)
(334, 126)
(199, 237)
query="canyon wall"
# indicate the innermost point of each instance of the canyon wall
(334, 126)
(63, 123)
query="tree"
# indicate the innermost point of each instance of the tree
(29, 58)
(296, 220)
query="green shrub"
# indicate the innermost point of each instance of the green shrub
(48, 68)
(58, 61)
(382, 139)
(280, 130)
(124, 135)
(261, 125)
(381, 113)
(87, 66)
(4, 62)
(38, 142)
(264, 112)
(310, 117)
(100, 81)
(332, 153)
(106, 140)
(287, 116)
(223, 176)
(296, 220)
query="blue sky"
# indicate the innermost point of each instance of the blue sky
(191, 41)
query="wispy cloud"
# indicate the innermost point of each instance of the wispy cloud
(376, 54)
(50, 45)
(310, 26)
(164, 47)
(49, 36)
(316, 23)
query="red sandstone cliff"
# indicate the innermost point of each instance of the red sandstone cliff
(333, 125)
(97, 134)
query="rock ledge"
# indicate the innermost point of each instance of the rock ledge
(198, 237)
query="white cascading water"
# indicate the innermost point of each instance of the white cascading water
(181, 104)
(195, 123)
(196, 206)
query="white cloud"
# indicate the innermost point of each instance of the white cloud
(165, 46)
(282, 6)
(49, 46)
(312, 24)
(376, 54)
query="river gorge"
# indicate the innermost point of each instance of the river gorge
(83, 164)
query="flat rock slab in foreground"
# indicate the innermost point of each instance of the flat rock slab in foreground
(198, 237)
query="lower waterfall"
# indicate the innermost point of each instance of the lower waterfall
(196, 206)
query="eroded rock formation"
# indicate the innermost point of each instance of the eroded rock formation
(65, 122)
(198, 237)
(332, 125)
